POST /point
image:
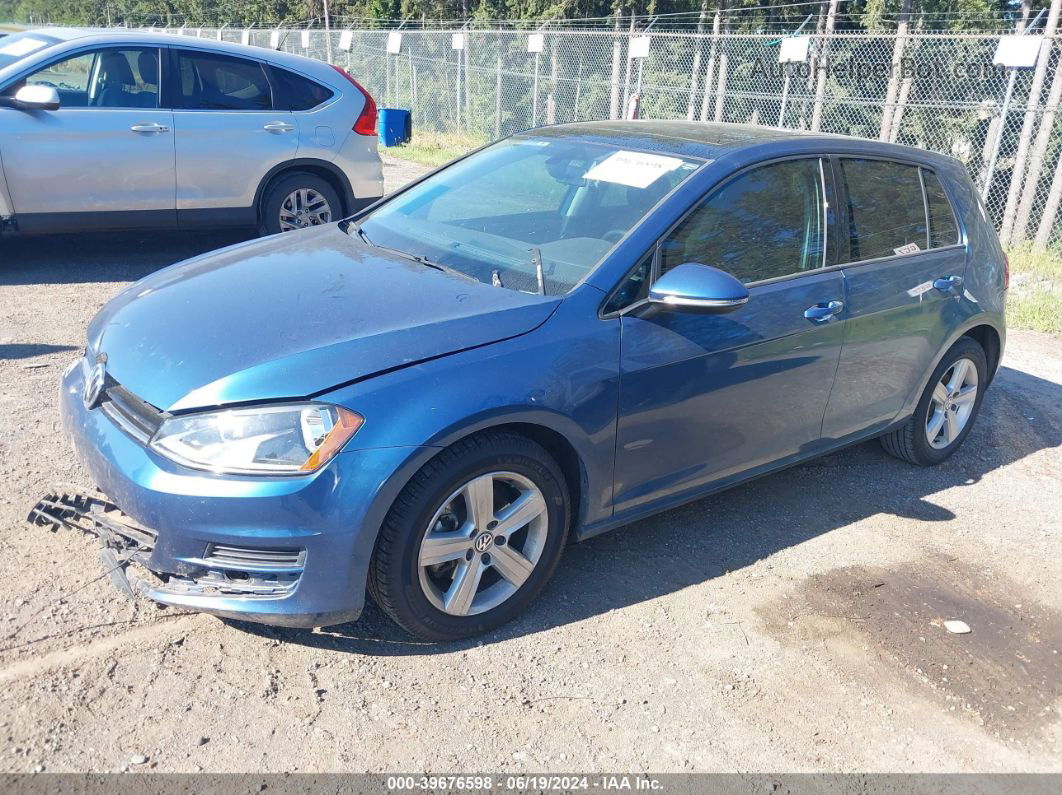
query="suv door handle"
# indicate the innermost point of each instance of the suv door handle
(278, 127)
(149, 128)
(820, 313)
(948, 283)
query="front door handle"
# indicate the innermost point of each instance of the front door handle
(948, 283)
(820, 313)
(278, 127)
(149, 128)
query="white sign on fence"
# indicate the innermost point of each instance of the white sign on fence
(794, 49)
(1017, 52)
(346, 40)
(536, 42)
(306, 39)
(457, 41)
(245, 36)
(394, 42)
(274, 39)
(639, 47)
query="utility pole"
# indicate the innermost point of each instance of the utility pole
(822, 63)
(328, 32)
(888, 110)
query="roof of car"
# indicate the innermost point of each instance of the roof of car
(711, 140)
(110, 35)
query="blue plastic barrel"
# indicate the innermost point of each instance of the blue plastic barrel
(396, 126)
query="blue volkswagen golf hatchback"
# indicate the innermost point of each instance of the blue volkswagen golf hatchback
(560, 333)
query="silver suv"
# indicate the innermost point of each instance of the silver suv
(123, 129)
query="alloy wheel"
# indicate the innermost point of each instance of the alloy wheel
(952, 404)
(304, 207)
(483, 543)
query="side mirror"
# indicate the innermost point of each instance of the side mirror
(699, 287)
(37, 98)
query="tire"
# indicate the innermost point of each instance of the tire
(269, 220)
(911, 442)
(427, 600)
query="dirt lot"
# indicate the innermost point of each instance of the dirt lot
(793, 624)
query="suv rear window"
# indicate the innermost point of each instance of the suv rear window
(886, 211)
(220, 82)
(295, 92)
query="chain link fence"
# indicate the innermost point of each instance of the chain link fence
(932, 90)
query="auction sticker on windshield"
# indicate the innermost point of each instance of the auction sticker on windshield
(22, 46)
(633, 169)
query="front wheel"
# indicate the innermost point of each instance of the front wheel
(947, 409)
(472, 538)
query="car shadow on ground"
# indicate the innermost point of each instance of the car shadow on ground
(111, 257)
(723, 533)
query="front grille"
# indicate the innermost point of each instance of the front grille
(253, 558)
(137, 418)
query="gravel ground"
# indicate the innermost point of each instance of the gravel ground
(792, 624)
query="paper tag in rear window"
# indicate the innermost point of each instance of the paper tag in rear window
(634, 169)
(908, 248)
(22, 47)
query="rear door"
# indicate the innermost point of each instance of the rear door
(107, 150)
(227, 132)
(705, 397)
(903, 279)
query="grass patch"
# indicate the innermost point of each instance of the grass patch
(1035, 296)
(434, 149)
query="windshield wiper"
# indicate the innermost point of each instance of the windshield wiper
(536, 258)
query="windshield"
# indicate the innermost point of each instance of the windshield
(500, 212)
(15, 48)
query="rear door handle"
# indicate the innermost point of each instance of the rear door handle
(820, 313)
(278, 127)
(948, 283)
(149, 128)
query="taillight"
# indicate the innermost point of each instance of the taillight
(1006, 272)
(366, 121)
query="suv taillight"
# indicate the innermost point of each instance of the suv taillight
(366, 121)
(1006, 272)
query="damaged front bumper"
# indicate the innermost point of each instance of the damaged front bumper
(287, 551)
(126, 549)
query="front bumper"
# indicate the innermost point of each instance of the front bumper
(288, 551)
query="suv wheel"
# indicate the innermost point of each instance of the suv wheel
(472, 538)
(296, 201)
(947, 410)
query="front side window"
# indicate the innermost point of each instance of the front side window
(562, 202)
(766, 223)
(109, 78)
(220, 82)
(886, 212)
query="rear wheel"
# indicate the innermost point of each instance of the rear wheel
(472, 538)
(297, 201)
(947, 409)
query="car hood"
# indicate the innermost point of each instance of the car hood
(293, 316)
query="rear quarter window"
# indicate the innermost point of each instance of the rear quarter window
(943, 229)
(295, 92)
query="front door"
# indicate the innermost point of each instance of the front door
(904, 273)
(706, 397)
(228, 135)
(105, 154)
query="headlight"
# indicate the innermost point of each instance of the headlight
(283, 439)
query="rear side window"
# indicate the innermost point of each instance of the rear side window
(943, 230)
(220, 82)
(295, 92)
(886, 212)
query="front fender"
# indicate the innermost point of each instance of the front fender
(564, 376)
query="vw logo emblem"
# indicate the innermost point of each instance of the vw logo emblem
(483, 542)
(94, 385)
